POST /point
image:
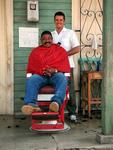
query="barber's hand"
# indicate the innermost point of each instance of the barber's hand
(49, 71)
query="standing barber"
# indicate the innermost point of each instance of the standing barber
(67, 39)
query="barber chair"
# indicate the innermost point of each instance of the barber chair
(46, 120)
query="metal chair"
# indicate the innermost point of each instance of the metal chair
(46, 120)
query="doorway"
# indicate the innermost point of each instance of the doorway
(87, 19)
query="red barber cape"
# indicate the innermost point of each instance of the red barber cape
(43, 57)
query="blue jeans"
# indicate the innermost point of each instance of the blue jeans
(35, 82)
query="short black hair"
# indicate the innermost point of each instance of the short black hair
(59, 13)
(46, 32)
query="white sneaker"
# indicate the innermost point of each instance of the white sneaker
(73, 117)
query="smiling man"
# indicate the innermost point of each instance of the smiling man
(46, 65)
(67, 39)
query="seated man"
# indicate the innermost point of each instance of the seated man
(47, 65)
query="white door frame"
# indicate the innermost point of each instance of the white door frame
(76, 14)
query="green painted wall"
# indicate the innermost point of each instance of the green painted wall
(47, 8)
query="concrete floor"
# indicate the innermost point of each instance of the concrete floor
(15, 135)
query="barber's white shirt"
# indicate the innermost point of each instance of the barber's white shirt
(68, 40)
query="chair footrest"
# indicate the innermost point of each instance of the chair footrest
(45, 115)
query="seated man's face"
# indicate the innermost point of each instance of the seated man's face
(46, 40)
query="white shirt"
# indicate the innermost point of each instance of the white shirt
(68, 40)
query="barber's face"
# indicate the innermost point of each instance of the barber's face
(59, 22)
(46, 40)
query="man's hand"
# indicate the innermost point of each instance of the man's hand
(49, 71)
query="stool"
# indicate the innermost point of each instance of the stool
(87, 99)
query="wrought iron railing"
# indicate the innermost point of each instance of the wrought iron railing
(91, 15)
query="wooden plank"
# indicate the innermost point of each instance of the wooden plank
(6, 59)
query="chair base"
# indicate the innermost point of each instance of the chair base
(47, 121)
(61, 128)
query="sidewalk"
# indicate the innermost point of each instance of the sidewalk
(15, 135)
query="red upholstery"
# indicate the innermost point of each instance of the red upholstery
(47, 90)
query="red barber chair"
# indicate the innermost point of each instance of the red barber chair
(46, 120)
